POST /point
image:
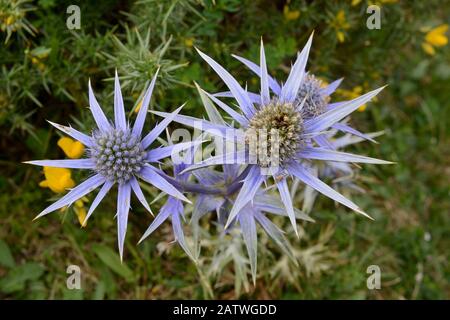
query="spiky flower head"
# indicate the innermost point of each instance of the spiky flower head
(311, 132)
(117, 154)
(279, 126)
(315, 100)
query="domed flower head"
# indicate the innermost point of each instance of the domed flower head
(116, 154)
(278, 140)
(315, 96)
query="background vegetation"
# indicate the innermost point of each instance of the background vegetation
(44, 70)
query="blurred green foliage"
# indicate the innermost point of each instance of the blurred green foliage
(44, 70)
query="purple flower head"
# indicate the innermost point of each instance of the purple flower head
(117, 154)
(299, 140)
(220, 190)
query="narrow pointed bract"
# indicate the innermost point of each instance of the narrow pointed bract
(290, 112)
(284, 131)
(119, 109)
(290, 88)
(99, 117)
(116, 154)
(265, 95)
(123, 207)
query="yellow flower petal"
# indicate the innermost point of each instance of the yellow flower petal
(428, 48)
(81, 215)
(138, 107)
(290, 15)
(43, 184)
(57, 179)
(437, 40)
(340, 36)
(189, 42)
(437, 37)
(362, 108)
(9, 20)
(442, 29)
(79, 203)
(72, 148)
(340, 16)
(357, 91)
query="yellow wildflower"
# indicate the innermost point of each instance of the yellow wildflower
(38, 63)
(189, 42)
(340, 24)
(138, 107)
(435, 38)
(290, 15)
(72, 148)
(428, 48)
(57, 179)
(10, 20)
(80, 211)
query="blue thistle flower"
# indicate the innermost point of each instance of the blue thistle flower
(301, 140)
(219, 193)
(117, 154)
(316, 102)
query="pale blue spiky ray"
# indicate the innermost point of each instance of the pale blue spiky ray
(147, 173)
(174, 208)
(342, 174)
(248, 217)
(275, 87)
(223, 188)
(313, 127)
